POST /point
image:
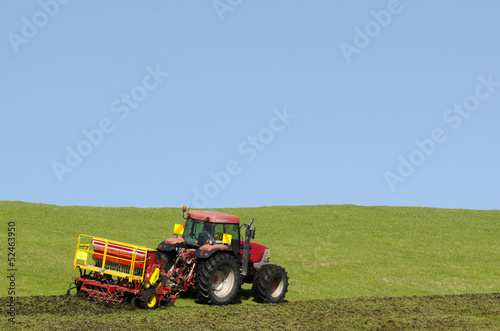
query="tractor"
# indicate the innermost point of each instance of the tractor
(206, 254)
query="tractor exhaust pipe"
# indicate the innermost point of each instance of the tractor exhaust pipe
(249, 234)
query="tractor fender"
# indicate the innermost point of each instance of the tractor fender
(206, 251)
(171, 243)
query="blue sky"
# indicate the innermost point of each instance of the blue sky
(237, 103)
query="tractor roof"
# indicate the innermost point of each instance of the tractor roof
(213, 216)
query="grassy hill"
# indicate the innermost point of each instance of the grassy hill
(330, 251)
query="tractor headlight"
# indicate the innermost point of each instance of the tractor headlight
(267, 256)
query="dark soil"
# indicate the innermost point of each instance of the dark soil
(469, 311)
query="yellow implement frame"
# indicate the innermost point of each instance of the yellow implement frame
(84, 252)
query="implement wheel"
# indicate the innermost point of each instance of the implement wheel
(218, 279)
(270, 284)
(78, 286)
(149, 299)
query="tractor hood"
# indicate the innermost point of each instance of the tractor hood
(258, 252)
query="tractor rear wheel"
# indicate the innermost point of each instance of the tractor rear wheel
(218, 279)
(270, 284)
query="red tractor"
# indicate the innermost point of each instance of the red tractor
(206, 254)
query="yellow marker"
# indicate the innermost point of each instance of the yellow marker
(81, 255)
(227, 239)
(179, 229)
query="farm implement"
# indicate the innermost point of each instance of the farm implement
(206, 254)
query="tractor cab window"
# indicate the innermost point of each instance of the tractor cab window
(234, 231)
(219, 233)
(221, 229)
(197, 232)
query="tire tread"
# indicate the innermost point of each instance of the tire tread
(262, 281)
(204, 279)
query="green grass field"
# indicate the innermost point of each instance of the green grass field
(329, 251)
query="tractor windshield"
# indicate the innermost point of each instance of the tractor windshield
(197, 232)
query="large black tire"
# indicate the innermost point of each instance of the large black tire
(270, 284)
(218, 279)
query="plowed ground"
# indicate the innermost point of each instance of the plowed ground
(470, 311)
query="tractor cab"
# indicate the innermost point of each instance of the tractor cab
(210, 228)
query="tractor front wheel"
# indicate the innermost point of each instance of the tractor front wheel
(270, 284)
(218, 279)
